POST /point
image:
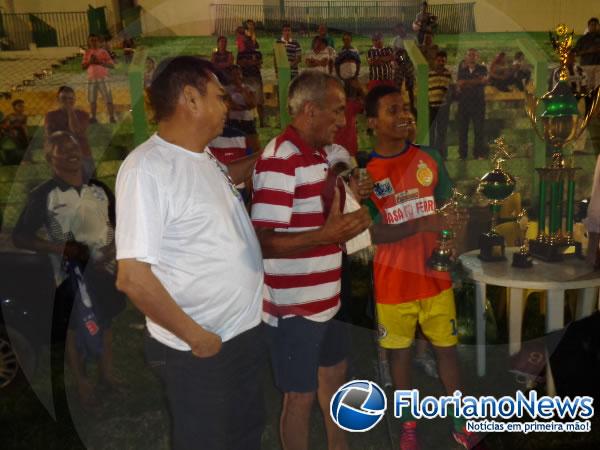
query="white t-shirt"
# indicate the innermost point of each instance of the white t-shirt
(178, 211)
(238, 98)
(327, 54)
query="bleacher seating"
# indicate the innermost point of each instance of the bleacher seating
(19, 66)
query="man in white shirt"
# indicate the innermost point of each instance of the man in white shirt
(190, 261)
(320, 57)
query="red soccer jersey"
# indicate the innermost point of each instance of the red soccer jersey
(406, 187)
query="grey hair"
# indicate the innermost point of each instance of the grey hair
(309, 86)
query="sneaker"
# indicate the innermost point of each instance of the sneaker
(469, 440)
(408, 436)
(427, 364)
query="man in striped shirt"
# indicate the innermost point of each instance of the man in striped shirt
(440, 97)
(381, 69)
(292, 48)
(297, 215)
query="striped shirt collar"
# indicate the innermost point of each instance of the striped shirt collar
(291, 134)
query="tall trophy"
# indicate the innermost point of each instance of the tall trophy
(443, 258)
(562, 123)
(496, 186)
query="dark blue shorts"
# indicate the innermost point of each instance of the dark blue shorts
(298, 348)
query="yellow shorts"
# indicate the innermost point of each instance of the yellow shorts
(436, 316)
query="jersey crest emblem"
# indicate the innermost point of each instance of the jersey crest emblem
(424, 174)
(383, 188)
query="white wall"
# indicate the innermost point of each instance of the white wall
(182, 17)
(36, 6)
(531, 15)
(26, 6)
(194, 17)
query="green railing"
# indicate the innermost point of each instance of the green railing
(540, 61)
(422, 94)
(284, 76)
(136, 90)
(358, 16)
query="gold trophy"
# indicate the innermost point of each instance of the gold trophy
(496, 186)
(522, 258)
(443, 258)
(561, 123)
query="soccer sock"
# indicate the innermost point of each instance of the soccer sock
(459, 423)
(407, 417)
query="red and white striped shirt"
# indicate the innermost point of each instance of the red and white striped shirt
(289, 182)
(230, 146)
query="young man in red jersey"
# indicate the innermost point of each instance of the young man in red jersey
(410, 182)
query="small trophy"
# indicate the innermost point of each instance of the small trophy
(562, 123)
(496, 186)
(443, 257)
(522, 258)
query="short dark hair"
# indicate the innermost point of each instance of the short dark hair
(441, 53)
(376, 94)
(171, 76)
(318, 39)
(65, 88)
(17, 101)
(592, 20)
(519, 54)
(91, 35)
(286, 25)
(347, 33)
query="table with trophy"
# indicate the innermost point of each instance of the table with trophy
(552, 278)
(552, 261)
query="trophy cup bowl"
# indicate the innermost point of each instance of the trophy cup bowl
(442, 259)
(496, 186)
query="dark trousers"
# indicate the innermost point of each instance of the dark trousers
(438, 126)
(215, 403)
(471, 112)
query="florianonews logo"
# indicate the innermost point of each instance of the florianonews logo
(358, 405)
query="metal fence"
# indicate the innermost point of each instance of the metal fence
(51, 29)
(358, 16)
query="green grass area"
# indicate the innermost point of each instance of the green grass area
(456, 45)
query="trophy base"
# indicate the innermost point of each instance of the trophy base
(491, 247)
(554, 253)
(522, 260)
